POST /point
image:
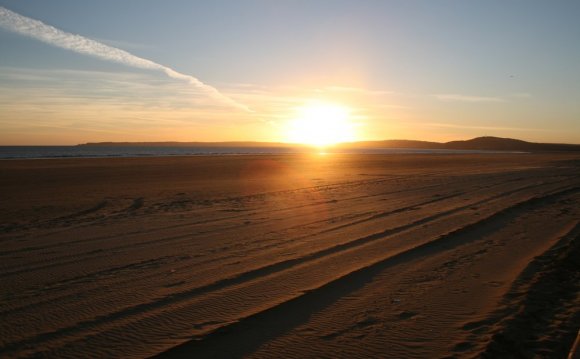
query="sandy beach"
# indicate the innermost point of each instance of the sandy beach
(290, 256)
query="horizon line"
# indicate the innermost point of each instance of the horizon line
(287, 143)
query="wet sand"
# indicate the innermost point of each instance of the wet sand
(290, 256)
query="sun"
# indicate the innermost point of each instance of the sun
(321, 124)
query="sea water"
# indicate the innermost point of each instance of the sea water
(31, 152)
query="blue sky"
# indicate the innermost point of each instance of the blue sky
(432, 70)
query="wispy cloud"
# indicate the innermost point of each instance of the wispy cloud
(117, 106)
(80, 44)
(48, 87)
(123, 44)
(467, 98)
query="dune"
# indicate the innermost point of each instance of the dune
(290, 256)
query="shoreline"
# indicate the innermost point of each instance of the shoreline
(362, 151)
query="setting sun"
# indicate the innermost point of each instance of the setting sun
(321, 124)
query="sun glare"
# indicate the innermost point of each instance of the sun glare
(321, 124)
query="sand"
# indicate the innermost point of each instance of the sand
(290, 256)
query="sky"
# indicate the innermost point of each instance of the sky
(243, 70)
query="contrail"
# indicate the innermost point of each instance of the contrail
(49, 34)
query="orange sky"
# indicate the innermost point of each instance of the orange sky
(428, 71)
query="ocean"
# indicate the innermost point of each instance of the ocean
(33, 152)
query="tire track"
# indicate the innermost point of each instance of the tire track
(81, 257)
(269, 269)
(247, 334)
(443, 242)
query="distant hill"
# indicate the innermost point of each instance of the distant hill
(486, 143)
(508, 144)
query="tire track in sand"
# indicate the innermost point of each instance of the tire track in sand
(377, 262)
(249, 333)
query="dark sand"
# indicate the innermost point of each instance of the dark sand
(336, 256)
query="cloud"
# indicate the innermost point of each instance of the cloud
(123, 44)
(40, 31)
(98, 105)
(467, 98)
(133, 89)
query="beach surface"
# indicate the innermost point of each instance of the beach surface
(290, 256)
